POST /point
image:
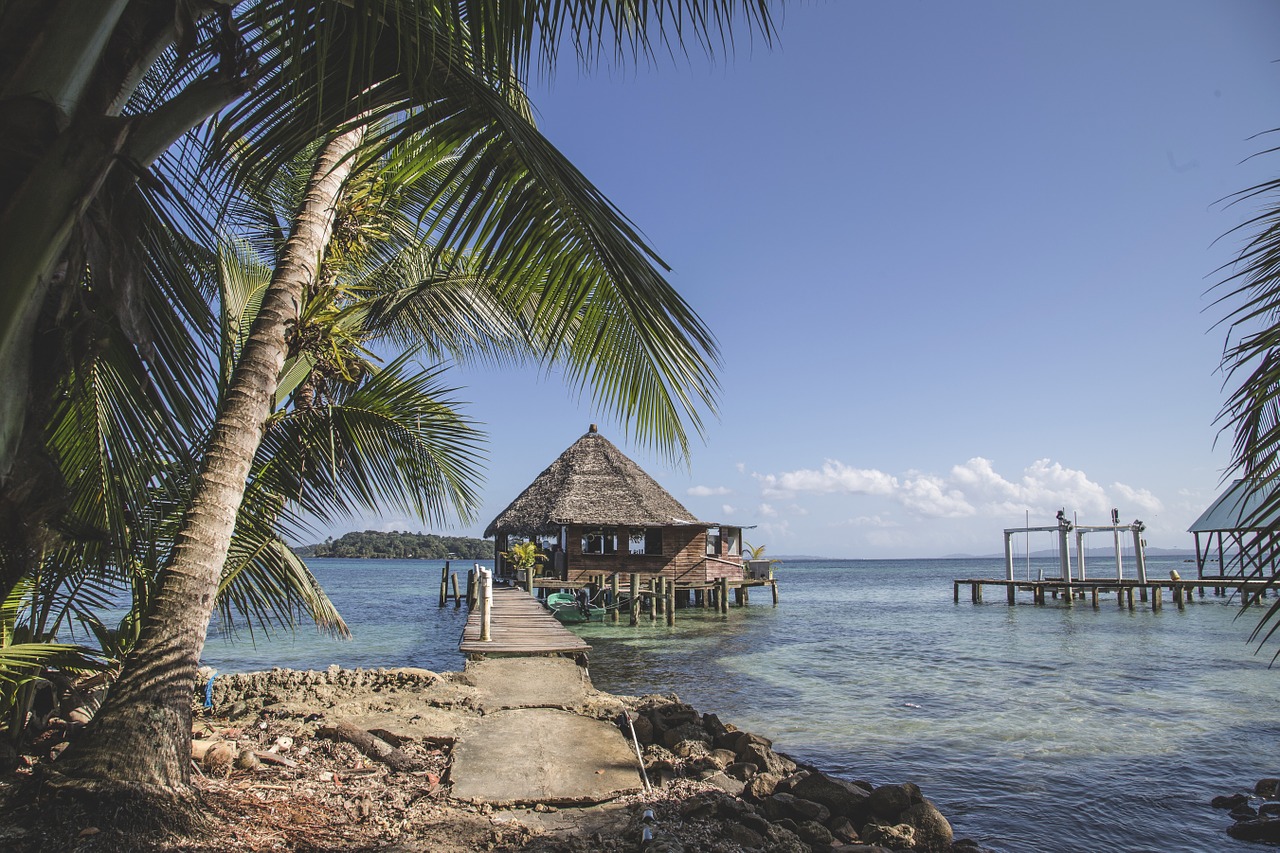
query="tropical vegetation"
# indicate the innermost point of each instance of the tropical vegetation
(126, 462)
(399, 545)
(1250, 293)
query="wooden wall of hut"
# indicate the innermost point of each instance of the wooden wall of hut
(683, 558)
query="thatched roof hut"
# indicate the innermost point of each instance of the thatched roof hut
(591, 483)
(595, 512)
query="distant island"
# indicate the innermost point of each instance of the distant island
(397, 545)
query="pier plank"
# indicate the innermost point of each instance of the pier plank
(519, 625)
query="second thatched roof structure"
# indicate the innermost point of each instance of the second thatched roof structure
(591, 483)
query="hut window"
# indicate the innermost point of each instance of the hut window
(713, 541)
(600, 542)
(647, 541)
(731, 537)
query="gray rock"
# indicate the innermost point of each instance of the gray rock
(722, 758)
(812, 832)
(894, 836)
(889, 801)
(1267, 788)
(740, 834)
(726, 783)
(783, 840)
(1261, 829)
(762, 785)
(690, 749)
(713, 726)
(840, 797)
(763, 757)
(742, 770)
(932, 831)
(683, 732)
(843, 829)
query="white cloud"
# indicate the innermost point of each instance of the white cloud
(767, 511)
(742, 467)
(707, 491)
(971, 489)
(931, 497)
(728, 510)
(1140, 499)
(834, 477)
(872, 521)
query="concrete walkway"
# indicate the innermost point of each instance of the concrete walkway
(534, 742)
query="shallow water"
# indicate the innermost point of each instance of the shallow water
(1034, 728)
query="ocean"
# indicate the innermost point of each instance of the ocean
(1048, 728)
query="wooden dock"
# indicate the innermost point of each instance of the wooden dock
(1181, 592)
(519, 626)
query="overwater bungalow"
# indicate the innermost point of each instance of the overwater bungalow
(595, 512)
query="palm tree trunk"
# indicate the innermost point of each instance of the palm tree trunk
(142, 735)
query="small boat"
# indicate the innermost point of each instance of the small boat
(564, 606)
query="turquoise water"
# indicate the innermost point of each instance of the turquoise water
(1034, 728)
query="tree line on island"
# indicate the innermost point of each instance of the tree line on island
(400, 545)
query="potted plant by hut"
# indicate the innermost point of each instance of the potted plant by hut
(524, 557)
(758, 565)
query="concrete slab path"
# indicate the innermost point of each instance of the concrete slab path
(530, 745)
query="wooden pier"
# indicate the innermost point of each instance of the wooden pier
(519, 626)
(660, 596)
(1181, 592)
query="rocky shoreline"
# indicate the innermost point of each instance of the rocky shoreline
(360, 759)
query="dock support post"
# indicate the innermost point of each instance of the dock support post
(453, 582)
(660, 593)
(653, 605)
(955, 591)
(737, 596)
(724, 594)
(1095, 598)
(444, 583)
(1139, 552)
(486, 604)
(746, 594)
(1011, 594)
(671, 603)
(634, 603)
(471, 588)
(613, 597)
(975, 592)
(774, 584)
(1129, 596)
(1157, 596)
(1178, 597)
(1142, 592)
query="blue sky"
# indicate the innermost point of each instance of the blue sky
(956, 257)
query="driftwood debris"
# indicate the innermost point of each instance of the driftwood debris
(374, 747)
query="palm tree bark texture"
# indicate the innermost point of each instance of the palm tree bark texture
(142, 735)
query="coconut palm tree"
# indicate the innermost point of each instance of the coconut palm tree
(1251, 361)
(578, 272)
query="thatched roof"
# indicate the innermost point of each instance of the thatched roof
(591, 483)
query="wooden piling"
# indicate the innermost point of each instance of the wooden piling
(1011, 594)
(1157, 596)
(671, 603)
(955, 591)
(653, 605)
(634, 604)
(613, 597)
(724, 594)
(444, 583)
(1094, 590)
(660, 593)
(471, 588)
(1129, 596)
(774, 584)
(453, 581)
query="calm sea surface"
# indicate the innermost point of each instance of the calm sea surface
(1033, 728)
